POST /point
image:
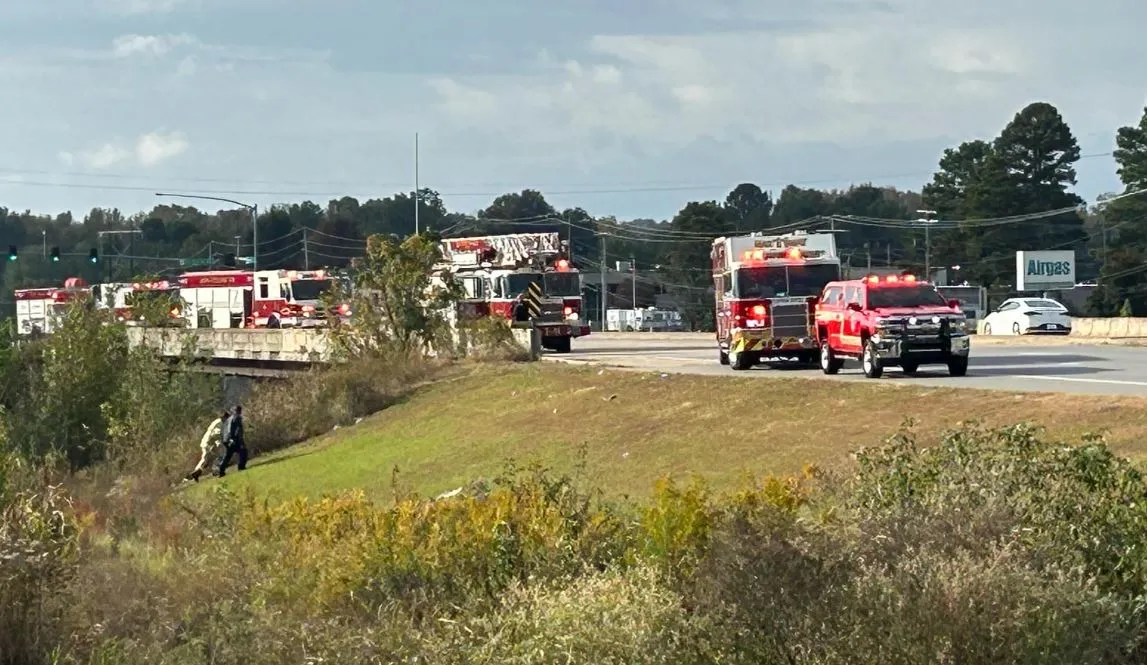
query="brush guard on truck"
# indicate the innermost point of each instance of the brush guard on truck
(913, 341)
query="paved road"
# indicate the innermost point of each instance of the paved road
(1030, 366)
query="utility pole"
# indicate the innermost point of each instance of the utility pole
(888, 252)
(237, 250)
(44, 232)
(928, 218)
(633, 284)
(604, 288)
(868, 251)
(418, 195)
(306, 254)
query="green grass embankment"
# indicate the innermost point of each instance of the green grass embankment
(636, 427)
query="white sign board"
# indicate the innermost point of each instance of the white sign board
(1045, 270)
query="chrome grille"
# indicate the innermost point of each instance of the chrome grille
(790, 320)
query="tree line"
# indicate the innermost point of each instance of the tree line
(989, 197)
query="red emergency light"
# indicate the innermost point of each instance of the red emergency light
(563, 265)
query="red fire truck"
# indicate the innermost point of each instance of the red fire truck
(766, 287)
(263, 299)
(496, 272)
(38, 310)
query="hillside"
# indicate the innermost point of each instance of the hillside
(636, 427)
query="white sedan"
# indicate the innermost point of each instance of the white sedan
(1020, 316)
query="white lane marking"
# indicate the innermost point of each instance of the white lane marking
(1114, 382)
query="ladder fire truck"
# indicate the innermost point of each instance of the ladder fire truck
(766, 287)
(496, 274)
(38, 310)
(263, 299)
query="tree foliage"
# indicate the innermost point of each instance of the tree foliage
(396, 305)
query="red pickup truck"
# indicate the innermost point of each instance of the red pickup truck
(894, 320)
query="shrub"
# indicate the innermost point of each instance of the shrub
(282, 413)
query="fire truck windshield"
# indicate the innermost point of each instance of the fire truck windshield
(562, 284)
(310, 289)
(518, 282)
(783, 281)
(922, 295)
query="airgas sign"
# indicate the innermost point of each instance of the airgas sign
(1045, 270)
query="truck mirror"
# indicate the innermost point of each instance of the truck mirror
(954, 304)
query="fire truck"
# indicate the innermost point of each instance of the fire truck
(496, 273)
(38, 310)
(121, 297)
(766, 288)
(263, 299)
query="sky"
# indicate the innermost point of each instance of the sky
(627, 109)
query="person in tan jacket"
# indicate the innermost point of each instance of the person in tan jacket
(213, 439)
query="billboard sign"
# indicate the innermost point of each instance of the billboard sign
(1045, 270)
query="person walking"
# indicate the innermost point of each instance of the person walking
(235, 442)
(215, 437)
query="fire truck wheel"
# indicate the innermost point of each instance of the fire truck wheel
(829, 363)
(741, 361)
(870, 361)
(722, 357)
(560, 345)
(958, 365)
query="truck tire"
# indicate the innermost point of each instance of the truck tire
(870, 361)
(829, 363)
(722, 357)
(958, 365)
(740, 361)
(561, 344)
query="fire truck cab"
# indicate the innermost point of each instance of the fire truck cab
(496, 274)
(766, 287)
(38, 310)
(292, 298)
(888, 321)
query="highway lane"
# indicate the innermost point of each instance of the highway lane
(1029, 365)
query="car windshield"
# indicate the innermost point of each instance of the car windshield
(562, 284)
(905, 296)
(310, 289)
(784, 281)
(1043, 304)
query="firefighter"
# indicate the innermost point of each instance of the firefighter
(214, 437)
(235, 442)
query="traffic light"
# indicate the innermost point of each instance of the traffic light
(11, 252)
(93, 256)
(55, 255)
(229, 260)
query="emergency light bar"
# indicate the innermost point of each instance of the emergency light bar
(787, 253)
(906, 278)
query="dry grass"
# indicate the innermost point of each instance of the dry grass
(637, 426)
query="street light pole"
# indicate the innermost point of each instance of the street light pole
(417, 194)
(252, 208)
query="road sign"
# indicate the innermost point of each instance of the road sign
(187, 263)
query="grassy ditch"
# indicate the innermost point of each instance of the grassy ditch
(630, 429)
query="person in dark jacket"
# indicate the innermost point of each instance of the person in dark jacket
(235, 442)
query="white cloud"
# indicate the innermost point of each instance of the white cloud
(127, 46)
(106, 156)
(66, 158)
(151, 149)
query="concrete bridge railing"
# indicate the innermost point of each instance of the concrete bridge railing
(282, 345)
